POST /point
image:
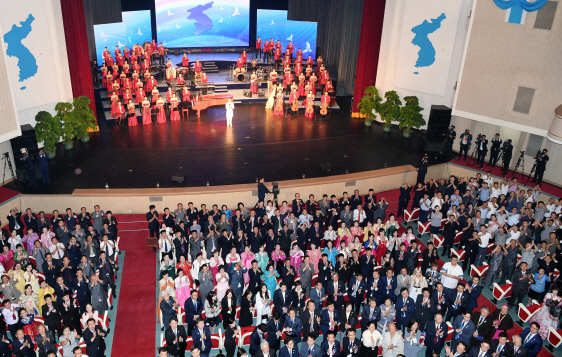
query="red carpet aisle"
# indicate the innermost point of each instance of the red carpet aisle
(135, 323)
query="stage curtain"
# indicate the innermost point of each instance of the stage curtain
(526, 5)
(77, 50)
(369, 48)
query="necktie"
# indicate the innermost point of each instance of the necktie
(195, 305)
(436, 339)
(355, 290)
(292, 322)
(309, 350)
(499, 349)
(371, 314)
(202, 344)
(176, 333)
(336, 288)
(458, 298)
(480, 322)
(331, 319)
(527, 339)
(462, 327)
(515, 350)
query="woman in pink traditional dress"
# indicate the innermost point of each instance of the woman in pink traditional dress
(407, 237)
(382, 244)
(183, 288)
(175, 112)
(285, 210)
(356, 244)
(315, 256)
(133, 121)
(46, 238)
(114, 99)
(146, 119)
(161, 113)
(278, 255)
(222, 282)
(7, 258)
(356, 231)
(215, 262)
(543, 316)
(246, 258)
(296, 257)
(343, 233)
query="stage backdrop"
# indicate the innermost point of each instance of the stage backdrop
(34, 49)
(201, 23)
(139, 29)
(110, 35)
(271, 24)
(426, 45)
(303, 35)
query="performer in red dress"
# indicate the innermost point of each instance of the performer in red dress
(325, 100)
(132, 116)
(309, 111)
(293, 97)
(294, 86)
(244, 57)
(273, 76)
(308, 72)
(155, 96)
(108, 81)
(309, 100)
(240, 63)
(197, 66)
(116, 88)
(258, 48)
(115, 72)
(146, 112)
(299, 60)
(161, 113)
(306, 90)
(122, 78)
(290, 49)
(204, 78)
(135, 77)
(169, 95)
(180, 80)
(185, 60)
(114, 99)
(175, 113)
(278, 109)
(140, 95)
(312, 81)
(254, 83)
(126, 68)
(104, 76)
(127, 84)
(298, 69)
(302, 80)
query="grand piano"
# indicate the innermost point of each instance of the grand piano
(206, 101)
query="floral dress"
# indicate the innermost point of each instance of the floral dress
(278, 255)
(30, 240)
(186, 267)
(22, 258)
(246, 261)
(544, 318)
(30, 302)
(7, 260)
(20, 284)
(296, 259)
(215, 264)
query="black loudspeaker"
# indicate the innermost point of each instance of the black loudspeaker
(439, 122)
(326, 167)
(247, 93)
(178, 178)
(261, 93)
(28, 141)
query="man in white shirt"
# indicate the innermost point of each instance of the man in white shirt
(11, 316)
(484, 238)
(359, 215)
(451, 274)
(57, 251)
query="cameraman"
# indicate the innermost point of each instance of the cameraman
(495, 150)
(29, 168)
(466, 138)
(507, 153)
(482, 143)
(43, 164)
(422, 169)
(451, 136)
(541, 158)
(262, 190)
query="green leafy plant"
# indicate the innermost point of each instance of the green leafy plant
(64, 113)
(410, 114)
(390, 108)
(48, 130)
(76, 118)
(371, 101)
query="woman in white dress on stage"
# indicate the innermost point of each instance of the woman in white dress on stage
(229, 112)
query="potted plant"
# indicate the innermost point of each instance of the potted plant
(370, 105)
(48, 130)
(410, 116)
(85, 118)
(390, 109)
(64, 113)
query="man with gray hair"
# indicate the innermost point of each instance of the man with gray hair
(264, 350)
(483, 324)
(518, 349)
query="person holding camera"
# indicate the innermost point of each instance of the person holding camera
(43, 164)
(29, 168)
(507, 153)
(482, 143)
(422, 169)
(495, 149)
(466, 138)
(541, 160)
(451, 136)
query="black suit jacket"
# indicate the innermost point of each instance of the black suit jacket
(279, 302)
(348, 349)
(483, 330)
(329, 287)
(506, 351)
(474, 352)
(12, 221)
(175, 348)
(27, 351)
(306, 324)
(54, 317)
(521, 351)
(97, 347)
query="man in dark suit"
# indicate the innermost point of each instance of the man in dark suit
(281, 299)
(255, 278)
(290, 349)
(368, 263)
(274, 332)
(520, 288)
(152, 218)
(517, 345)
(293, 326)
(474, 291)
(69, 311)
(284, 239)
(318, 295)
(288, 274)
(388, 284)
(330, 319)
(439, 299)
(483, 323)
(356, 291)
(330, 347)
(311, 319)
(107, 273)
(168, 307)
(193, 308)
(335, 291)
(310, 348)
(324, 270)
(93, 336)
(176, 338)
(316, 234)
(436, 333)
(371, 312)
(14, 221)
(500, 347)
(23, 345)
(202, 337)
(482, 144)
(463, 329)
(425, 308)
(30, 220)
(481, 351)
(5, 343)
(51, 314)
(255, 339)
(532, 341)
(458, 301)
(375, 289)
(351, 346)
(404, 309)
(80, 286)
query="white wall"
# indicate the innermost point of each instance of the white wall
(389, 52)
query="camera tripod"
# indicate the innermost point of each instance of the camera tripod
(500, 157)
(533, 170)
(442, 149)
(8, 164)
(474, 154)
(520, 162)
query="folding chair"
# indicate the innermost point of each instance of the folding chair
(501, 292)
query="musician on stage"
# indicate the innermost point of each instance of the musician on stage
(204, 78)
(145, 65)
(273, 76)
(114, 100)
(135, 78)
(103, 70)
(108, 81)
(309, 101)
(294, 101)
(271, 49)
(126, 53)
(116, 88)
(136, 66)
(302, 81)
(244, 57)
(309, 111)
(161, 53)
(299, 55)
(154, 46)
(277, 56)
(120, 60)
(290, 49)
(115, 71)
(127, 95)
(126, 68)
(185, 60)
(294, 86)
(155, 96)
(308, 72)
(197, 66)
(119, 112)
(278, 109)
(140, 94)
(254, 83)
(287, 80)
(131, 113)
(266, 51)
(306, 91)
(185, 97)
(309, 61)
(312, 81)
(329, 87)
(122, 78)
(161, 116)
(169, 63)
(109, 61)
(175, 114)
(298, 69)
(325, 100)
(170, 74)
(117, 51)
(106, 54)
(240, 63)
(180, 80)
(146, 119)
(325, 76)
(258, 48)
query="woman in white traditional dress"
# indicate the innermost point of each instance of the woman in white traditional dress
(229, 112)
(272, 90)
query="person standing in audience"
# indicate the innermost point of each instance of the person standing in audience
(392, 342)
(176, 338)
(152, 218)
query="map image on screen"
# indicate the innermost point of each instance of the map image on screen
(201, 23)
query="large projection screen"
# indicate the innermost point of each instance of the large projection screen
(110, 35)
(303, 35)
(270, 24)
(196, 23)
(139, 29)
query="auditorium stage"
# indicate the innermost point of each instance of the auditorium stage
(205, 150)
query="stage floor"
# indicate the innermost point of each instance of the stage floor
(205, 150)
